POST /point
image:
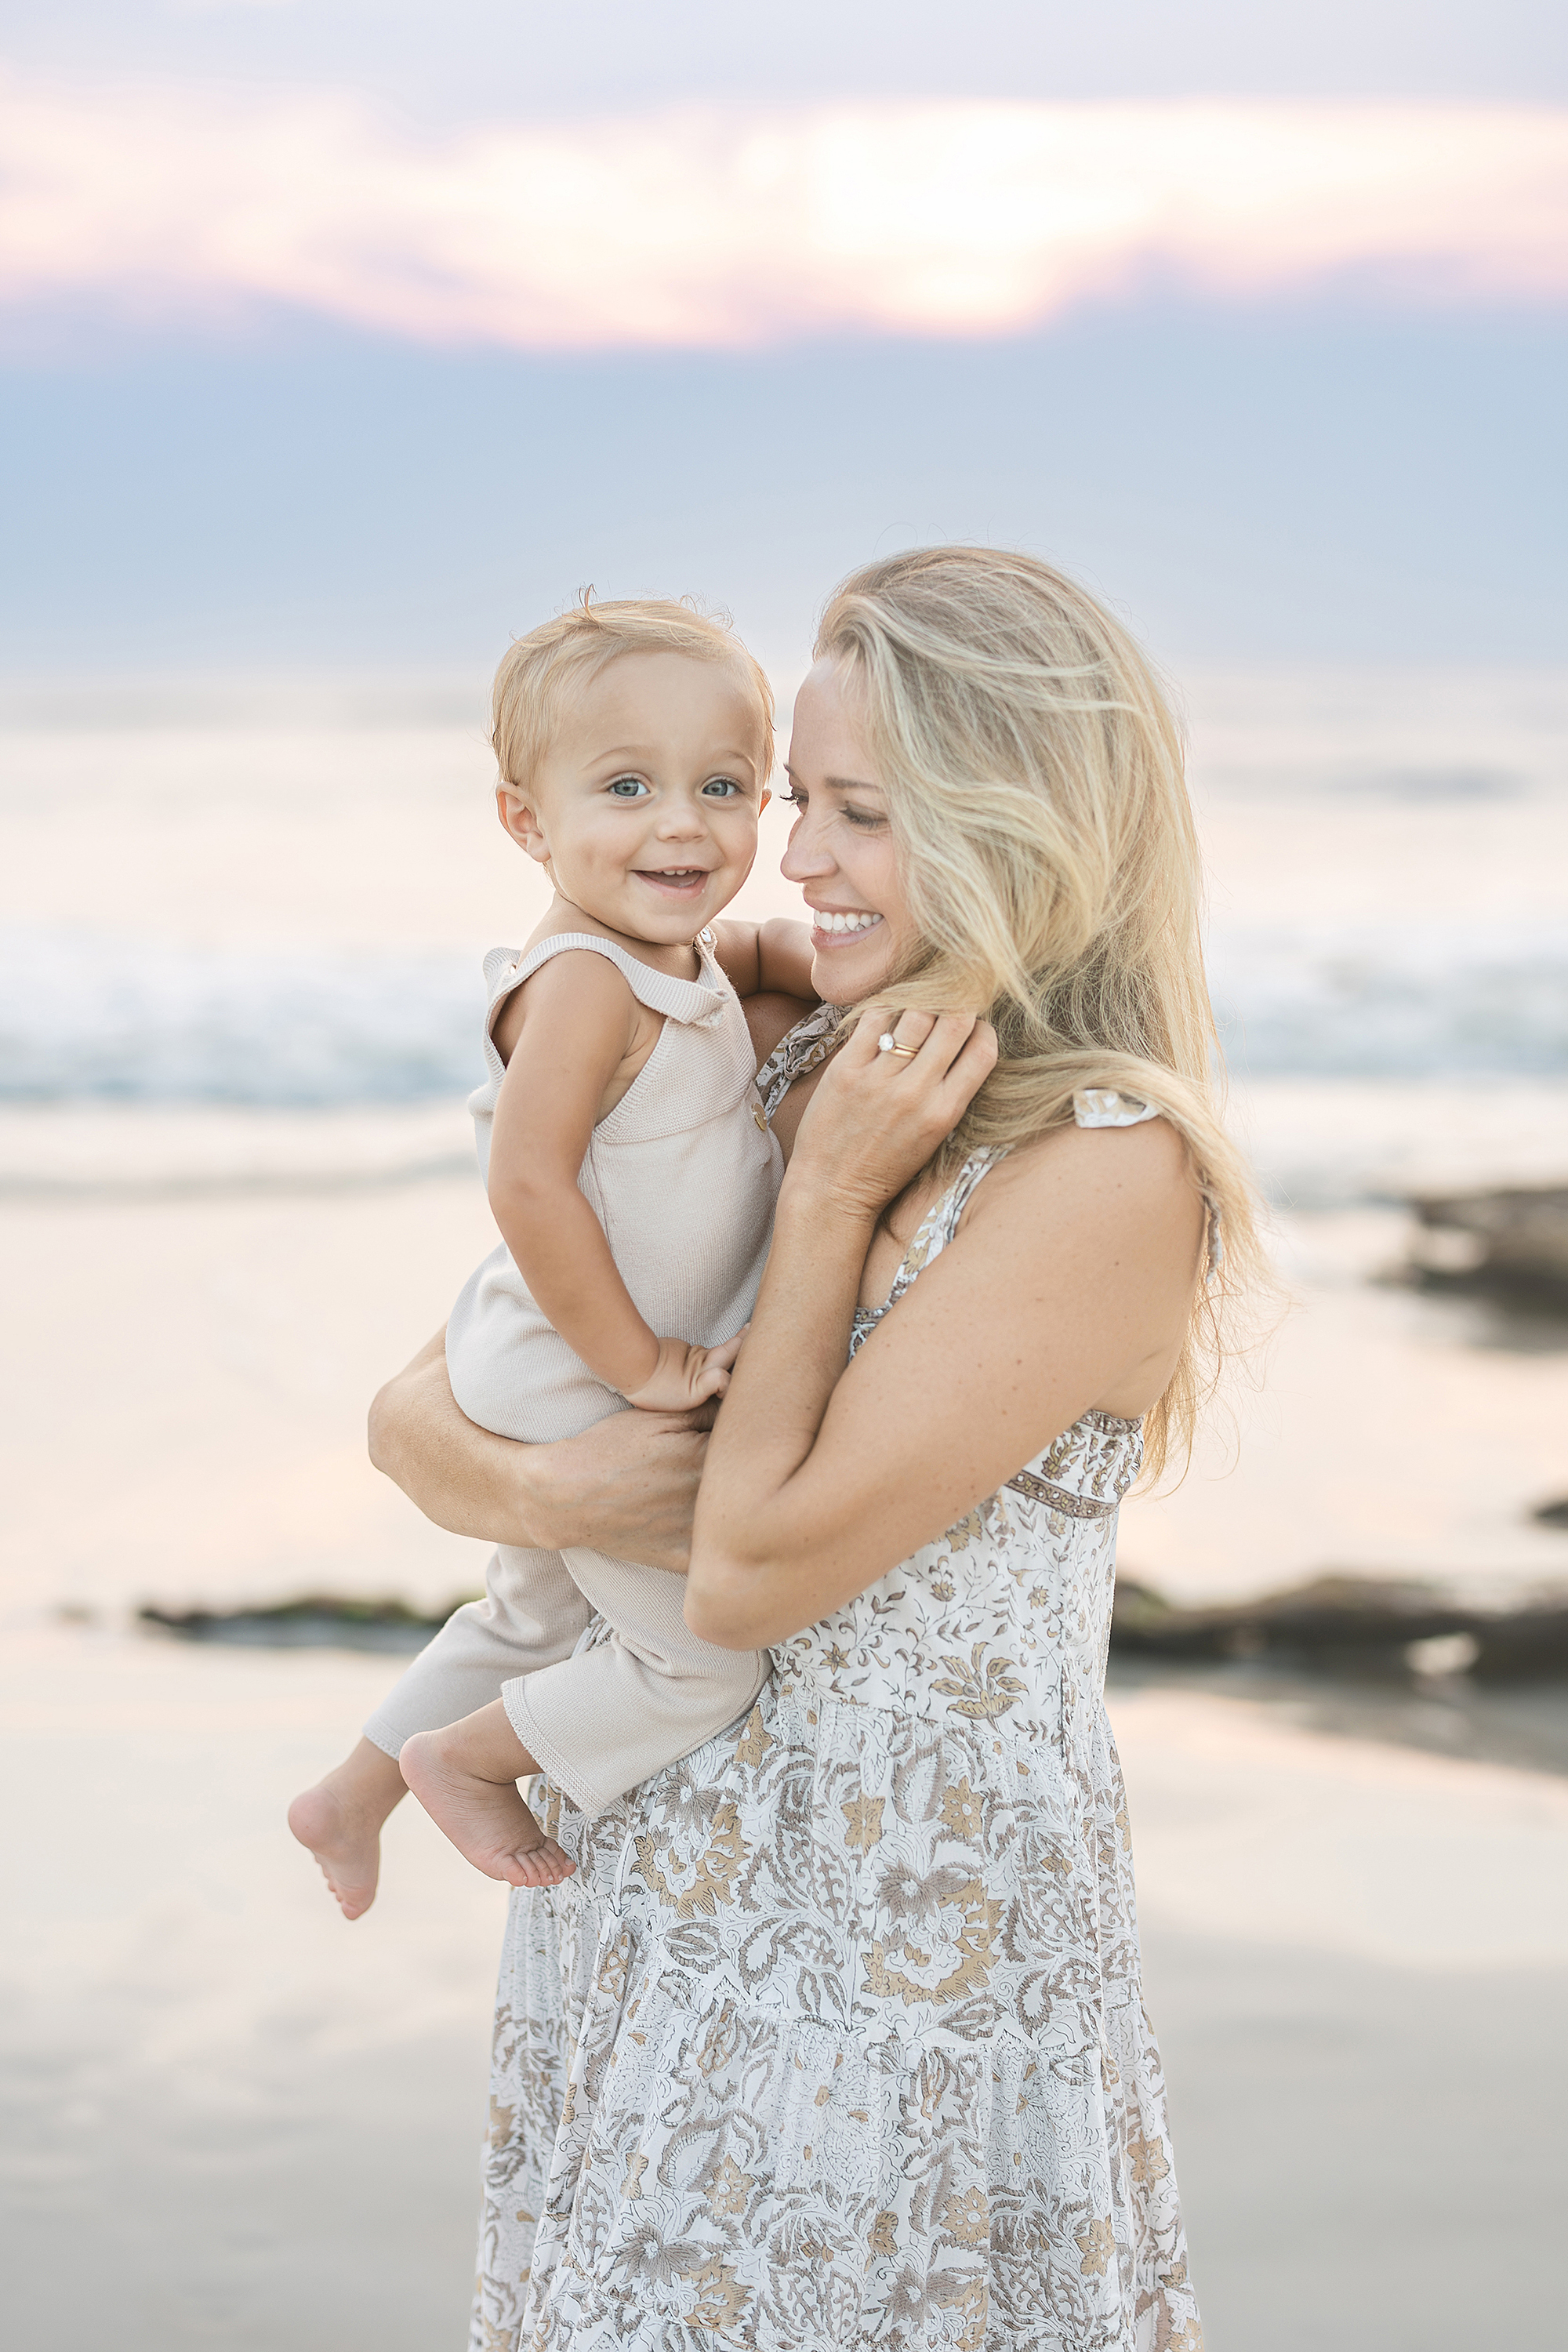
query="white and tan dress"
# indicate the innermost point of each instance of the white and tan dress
(835, 2039)
(683, 1175)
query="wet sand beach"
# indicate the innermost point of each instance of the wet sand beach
(235, 2120)
(238, 2120)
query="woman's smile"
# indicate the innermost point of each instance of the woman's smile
(841, 850)
(832, 926)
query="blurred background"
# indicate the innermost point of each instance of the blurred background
(339, 343)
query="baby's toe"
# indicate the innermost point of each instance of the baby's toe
(543, 1864)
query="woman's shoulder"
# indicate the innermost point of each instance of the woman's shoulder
(1092, 1177)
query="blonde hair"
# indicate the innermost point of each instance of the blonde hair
(1036, 795)
(537, 671)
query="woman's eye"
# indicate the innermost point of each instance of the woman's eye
(793, 797)
(626, 788)
(865, 819)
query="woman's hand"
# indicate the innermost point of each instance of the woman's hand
(876, 1117)
(627, 1485)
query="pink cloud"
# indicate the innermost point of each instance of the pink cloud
(712, 227)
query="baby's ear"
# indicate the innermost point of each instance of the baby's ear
(519, 820)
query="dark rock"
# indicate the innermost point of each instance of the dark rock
(1344, 1625)
(1512, 1241)
(318, 1620)
(1528, 1646)
(1332, 1613)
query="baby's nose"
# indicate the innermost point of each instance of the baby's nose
(680, 820)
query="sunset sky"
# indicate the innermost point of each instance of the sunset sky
(366, 334)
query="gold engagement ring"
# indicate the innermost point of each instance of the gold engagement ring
(888, 1044)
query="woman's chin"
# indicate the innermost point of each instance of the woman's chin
(846, 975)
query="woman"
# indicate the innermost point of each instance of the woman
(835, 2038)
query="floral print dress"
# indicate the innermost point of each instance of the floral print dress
(835, 2038)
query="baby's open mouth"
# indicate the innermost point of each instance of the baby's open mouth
(687, 878)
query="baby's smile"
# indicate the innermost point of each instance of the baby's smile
(674, 881)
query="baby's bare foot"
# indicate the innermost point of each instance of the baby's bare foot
(340, 1820)
(486, 1820)
(345, 1840)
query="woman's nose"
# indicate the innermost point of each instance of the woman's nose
(806, 855)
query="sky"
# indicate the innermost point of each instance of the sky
(341, 333)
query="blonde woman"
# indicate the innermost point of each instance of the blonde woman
(835, 2038)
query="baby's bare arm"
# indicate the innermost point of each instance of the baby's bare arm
(774, 957)
(578, 1026)
(783, 954)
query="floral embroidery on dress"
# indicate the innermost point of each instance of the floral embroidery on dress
(835, 2038)
(806, 1048)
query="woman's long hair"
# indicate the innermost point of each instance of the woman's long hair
(1037, 794)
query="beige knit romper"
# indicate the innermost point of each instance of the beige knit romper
(683, 1175)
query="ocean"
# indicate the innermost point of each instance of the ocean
(274, 894)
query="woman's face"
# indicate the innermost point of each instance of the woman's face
(841, 847)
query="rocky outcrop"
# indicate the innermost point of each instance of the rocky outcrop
(1351, 1624)
(317, 1620)
(1513, 1240)
(1342, 1624)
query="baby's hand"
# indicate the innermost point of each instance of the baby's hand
(684, 1377)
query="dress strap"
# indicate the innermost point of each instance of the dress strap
(941, 1223)
(935, 1230)
(696, 1002)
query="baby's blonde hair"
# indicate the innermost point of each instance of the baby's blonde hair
(1036, 795)
(537, 671)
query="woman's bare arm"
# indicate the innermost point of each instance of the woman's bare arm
(627, 1485)
(1069, 1286)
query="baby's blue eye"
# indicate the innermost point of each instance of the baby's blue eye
(626, 788)
(722, 787)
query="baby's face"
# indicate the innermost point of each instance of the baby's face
(645, 809)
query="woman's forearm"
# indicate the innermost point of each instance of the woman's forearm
(464, 1478)
(627, 1485)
